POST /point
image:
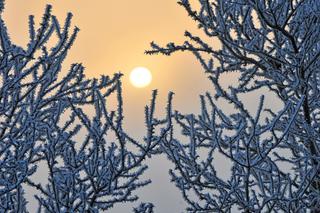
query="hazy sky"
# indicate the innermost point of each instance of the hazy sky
(113, 37)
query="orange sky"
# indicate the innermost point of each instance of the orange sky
(113, 37)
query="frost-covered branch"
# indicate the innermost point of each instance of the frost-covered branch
(61, 125)
(273, 45)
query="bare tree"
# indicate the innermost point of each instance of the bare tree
(273, 45)
(60, 122)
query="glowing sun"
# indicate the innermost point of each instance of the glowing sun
(140, 77)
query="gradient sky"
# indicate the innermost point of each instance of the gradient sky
(113, 37)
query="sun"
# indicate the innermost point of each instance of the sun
(140, 77)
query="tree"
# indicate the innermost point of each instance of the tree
(273, 45)
(63, 124)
